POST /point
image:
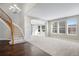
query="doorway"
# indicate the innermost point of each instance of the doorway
(38, 30)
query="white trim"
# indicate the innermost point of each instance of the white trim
(58, 27)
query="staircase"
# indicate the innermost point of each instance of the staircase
(16, 36)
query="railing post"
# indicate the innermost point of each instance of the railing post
(12, 32)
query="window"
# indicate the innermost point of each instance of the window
(38, 28)
(69, 26)
(43, 28)
(62, 26)
(54, 28)
(72, 23)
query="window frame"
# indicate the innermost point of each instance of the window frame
(76, 29)
(66, 27)
(62, 27)
(52, 27)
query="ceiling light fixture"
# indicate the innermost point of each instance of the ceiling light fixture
(14, 8)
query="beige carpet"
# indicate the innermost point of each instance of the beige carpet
(56, 47)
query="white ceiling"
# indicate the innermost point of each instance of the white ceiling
(48, 11)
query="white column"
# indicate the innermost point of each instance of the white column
(27, 26)
(46, 32)
(58, 27)
(27, 20)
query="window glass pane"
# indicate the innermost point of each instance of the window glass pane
(43, 28)
(62, 26)
(62, 30)
(54, 29)
(55, 24)
(38, 28)
(72, 30)
(72, 23)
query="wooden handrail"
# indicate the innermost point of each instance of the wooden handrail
(9, 23)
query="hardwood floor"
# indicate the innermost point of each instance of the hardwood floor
(23, 49)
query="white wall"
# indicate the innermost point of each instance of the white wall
(38, 22)
(27, 26)
(4, 31)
